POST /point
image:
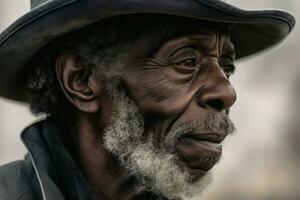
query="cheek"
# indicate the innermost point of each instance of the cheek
(159, 90)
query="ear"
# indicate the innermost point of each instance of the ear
(77, 82)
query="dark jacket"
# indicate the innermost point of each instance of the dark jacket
(48, 171)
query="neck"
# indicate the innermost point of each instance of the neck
(97, 165)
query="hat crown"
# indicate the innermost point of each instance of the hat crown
(35, 3)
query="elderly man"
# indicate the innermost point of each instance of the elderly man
(136, 94)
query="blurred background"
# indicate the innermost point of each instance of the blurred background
(262, 160)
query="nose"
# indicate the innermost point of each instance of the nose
(217, 94)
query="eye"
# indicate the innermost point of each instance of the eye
(227, 65)
(190, 63)
(228, 70)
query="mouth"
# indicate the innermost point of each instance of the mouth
(208, 137)
(200, 151)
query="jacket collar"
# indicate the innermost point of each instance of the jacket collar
(58, 174)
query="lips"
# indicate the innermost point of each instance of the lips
(200, 151)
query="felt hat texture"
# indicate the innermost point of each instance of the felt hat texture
(254, 30)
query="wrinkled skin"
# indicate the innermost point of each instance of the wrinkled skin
(185, 80)
(176, 73)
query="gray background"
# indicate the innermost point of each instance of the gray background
(261, 161)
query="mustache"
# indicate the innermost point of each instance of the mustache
(213, 123)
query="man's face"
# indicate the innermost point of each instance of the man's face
(174, 106)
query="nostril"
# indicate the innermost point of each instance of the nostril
(216, 104)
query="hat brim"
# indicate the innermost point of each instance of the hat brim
(253, 31)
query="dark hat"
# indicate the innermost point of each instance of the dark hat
(253, 31)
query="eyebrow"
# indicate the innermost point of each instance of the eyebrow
(189, 37)
(192, 36)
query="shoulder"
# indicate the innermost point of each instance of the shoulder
(18, 180)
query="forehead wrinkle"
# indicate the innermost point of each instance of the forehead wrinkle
(192, 36)
(210, 36)
(171, 33)
(213, 37)
(185, 39)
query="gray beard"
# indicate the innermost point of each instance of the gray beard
(155, 168)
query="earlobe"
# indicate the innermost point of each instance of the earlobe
(75, 80)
